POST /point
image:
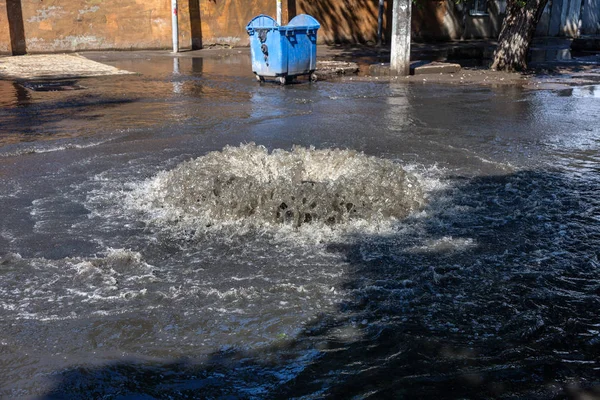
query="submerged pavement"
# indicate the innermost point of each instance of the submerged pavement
(139, 222)
(552, 61)
(53, 66)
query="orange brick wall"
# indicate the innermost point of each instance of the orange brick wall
(345, 21)
(75, 25)
(4, 33)
(224, 21)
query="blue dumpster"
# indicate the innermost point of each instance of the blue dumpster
(283, 52)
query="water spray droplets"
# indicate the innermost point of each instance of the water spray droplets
(304, 186)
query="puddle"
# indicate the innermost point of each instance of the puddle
(544, 55)
(52, 86)
(12, 94)
(174, 266)
(581, 91)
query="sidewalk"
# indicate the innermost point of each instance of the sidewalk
(53, 66)
(551, 62)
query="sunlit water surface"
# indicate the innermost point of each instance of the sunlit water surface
(174, 235)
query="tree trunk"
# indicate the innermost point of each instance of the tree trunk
(516, 34)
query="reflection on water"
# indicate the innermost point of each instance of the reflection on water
(488, 289)
(177, 86)
(156, 94)
(581, 91)
(543, 55)
(13, 95)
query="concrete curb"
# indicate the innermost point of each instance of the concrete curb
(417, 68)
(331, 69)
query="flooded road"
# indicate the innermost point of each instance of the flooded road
(189, 233)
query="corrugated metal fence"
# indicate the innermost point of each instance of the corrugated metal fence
(570, 18)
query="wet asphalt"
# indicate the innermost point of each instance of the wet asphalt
(490, 290)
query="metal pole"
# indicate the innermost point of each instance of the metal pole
(400, 52)
(175, 26)
(380, 23)
(278, 12)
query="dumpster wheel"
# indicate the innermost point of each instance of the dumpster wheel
(259, 78)
(313, 77)
(282, 80)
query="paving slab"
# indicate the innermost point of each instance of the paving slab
(53, 66)
(417, 68)
(380, 69)
(434, 67)
(331, 69)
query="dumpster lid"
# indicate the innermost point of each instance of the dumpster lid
(261, 22)
(304, 20)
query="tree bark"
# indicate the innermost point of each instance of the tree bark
(516, 34)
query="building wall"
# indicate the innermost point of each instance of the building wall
(435, 20)
(346, 21)
(224, 22)
(36, 26)
(73, 25)
(342, 21)
(66, 25)
(474, 19)
(5, 46)
(570, 18)
(590, 24)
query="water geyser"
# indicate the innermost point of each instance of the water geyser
(301, 186)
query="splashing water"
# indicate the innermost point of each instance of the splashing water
(42, 289)
(249, 184)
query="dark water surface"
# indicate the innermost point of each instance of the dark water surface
(114, 285)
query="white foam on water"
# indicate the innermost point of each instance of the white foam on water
(45, 147)
(302, 192)
(38, 288)
(446, 244)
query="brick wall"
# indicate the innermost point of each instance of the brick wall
(4, 33)
(46, 26)
(73, 25)
(346, 21)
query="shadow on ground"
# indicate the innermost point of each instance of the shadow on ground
(343, 22)
(27, 118)
(493, 293)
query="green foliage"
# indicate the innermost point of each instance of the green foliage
(421, 3)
